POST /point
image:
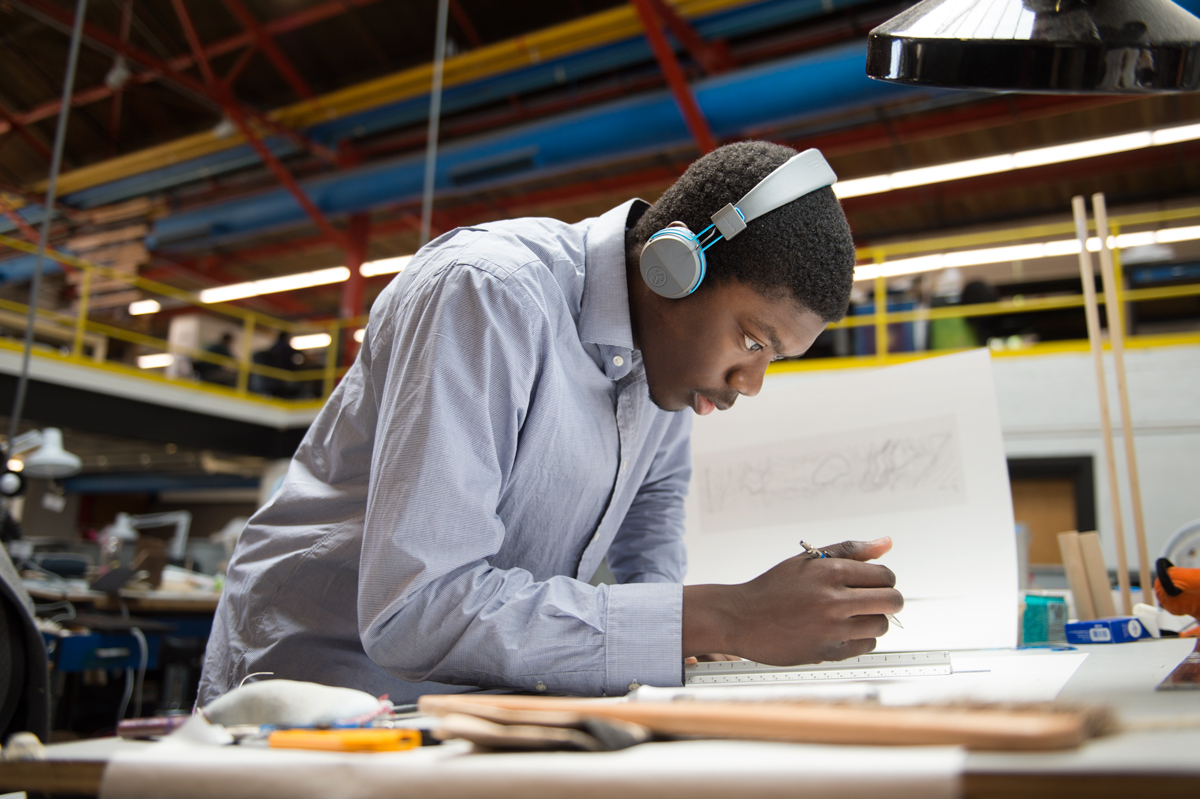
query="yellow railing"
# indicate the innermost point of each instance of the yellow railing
(84, 331)
(89, 338)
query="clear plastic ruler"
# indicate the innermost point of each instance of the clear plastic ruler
(891, 665)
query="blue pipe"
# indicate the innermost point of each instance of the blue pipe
(776, 93)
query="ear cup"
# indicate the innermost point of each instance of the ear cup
(672, 262)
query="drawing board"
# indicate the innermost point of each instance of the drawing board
(911, 451)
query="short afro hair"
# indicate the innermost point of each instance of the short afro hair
(803, 250)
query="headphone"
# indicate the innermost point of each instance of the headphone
(673, 262)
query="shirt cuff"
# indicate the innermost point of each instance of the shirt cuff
(644, 639)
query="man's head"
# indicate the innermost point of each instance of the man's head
(767, 294)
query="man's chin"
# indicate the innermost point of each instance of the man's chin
(664, 405)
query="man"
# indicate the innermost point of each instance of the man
(212, 372)
(519, 409)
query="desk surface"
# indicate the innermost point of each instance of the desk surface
(1138, 762)
(135, 601)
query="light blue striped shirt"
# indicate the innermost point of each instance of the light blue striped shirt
(492, 442)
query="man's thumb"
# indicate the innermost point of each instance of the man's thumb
(859, 550)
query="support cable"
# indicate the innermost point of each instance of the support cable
(435, 113)
(60, 137)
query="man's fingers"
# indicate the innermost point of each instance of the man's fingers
(853, 574)
(859, 550)
(862, 627)
(873, 601)
(851, 649)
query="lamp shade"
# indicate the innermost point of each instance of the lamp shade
(51, 460)
(1040, 46)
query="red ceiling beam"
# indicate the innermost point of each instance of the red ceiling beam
(465, 24)
(17, 127)
(114, 109)
(270, 49)
(26, 229)
(238, 113)
(714, 57)
(693, 117)
(33, 198)
(193, 40)
(167, 68)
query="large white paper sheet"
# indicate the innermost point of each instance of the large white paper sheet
(912, 451)
(746, 769)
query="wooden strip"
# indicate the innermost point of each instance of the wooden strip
(1097, 575)
(1096, 340)
(975, 728)
(128, 252)
(77, 777)
(113, 300)
(1077, 579)
(1041, 785)
(1116, 334)
(89, 241)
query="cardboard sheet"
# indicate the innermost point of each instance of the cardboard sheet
(911, 451)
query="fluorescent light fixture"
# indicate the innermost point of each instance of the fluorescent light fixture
(311, 341)
(274, 285)
(385, 266)
(360, 334)
(319, 277)
(991, 165)
(144, 307)
(156, 361)
(1019, 252)
(1083, 149)
(1177, 234)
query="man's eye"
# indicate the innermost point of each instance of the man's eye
(752, 345)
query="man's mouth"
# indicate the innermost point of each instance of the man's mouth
(704, 406)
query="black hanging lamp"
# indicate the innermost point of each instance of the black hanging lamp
(1040, 46)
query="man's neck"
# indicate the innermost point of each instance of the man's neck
(636, 287)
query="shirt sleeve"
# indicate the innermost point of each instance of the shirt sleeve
(649, 546)
(465, 350)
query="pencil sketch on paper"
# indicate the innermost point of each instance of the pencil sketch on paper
(861, 472)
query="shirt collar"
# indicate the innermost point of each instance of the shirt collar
(604, 312)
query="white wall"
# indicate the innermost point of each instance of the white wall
(1049, 407)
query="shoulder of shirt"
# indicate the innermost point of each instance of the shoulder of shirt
(530, 255)
(516, 247)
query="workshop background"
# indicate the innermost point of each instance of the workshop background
(240, 178)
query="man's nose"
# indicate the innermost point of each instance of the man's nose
(747, 380)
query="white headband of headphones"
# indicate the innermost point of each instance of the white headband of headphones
(801, 174)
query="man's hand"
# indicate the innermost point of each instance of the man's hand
(805, 610)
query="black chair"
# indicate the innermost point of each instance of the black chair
(24, 674)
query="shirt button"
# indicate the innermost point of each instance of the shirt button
(624, 463)
(618, 360)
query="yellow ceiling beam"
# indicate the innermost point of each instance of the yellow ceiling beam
(585, 33)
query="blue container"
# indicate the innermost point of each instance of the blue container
(1116, 630)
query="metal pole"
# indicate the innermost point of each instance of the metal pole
(435, 113)
(60, 137)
